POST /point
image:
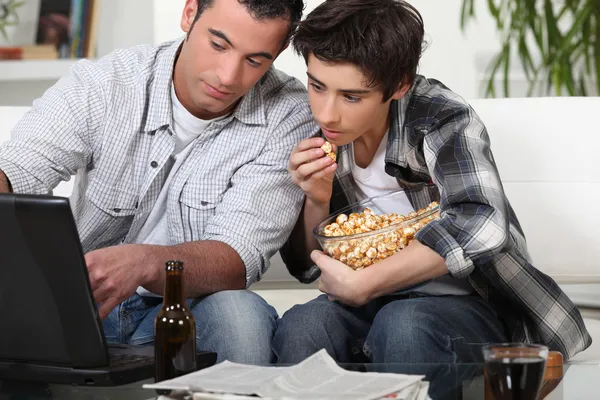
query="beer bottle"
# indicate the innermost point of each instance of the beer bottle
(174, 329)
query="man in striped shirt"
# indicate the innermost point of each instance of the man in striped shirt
(180, 152)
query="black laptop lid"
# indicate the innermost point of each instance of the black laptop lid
(47, 311)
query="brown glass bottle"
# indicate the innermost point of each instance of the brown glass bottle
(174, 329)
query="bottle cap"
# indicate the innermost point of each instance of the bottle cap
(174, 265)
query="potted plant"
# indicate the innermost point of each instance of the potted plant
(9, 15)
(557, 44)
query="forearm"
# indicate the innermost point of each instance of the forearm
(303, 240)
(4, 184)
(209, 266)
(415, 264)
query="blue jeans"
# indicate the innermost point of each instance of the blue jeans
(391, 329)
(238, 324)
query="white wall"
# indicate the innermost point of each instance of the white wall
(457, 60)
(451, 57)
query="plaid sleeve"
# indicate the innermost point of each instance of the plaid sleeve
(260, 209)
(473, 224)
(52, 140)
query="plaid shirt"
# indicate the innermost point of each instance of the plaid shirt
(111, 123)
(436, 137)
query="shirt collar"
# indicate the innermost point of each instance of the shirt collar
(160, 110)
(395, 151)
(251, 110)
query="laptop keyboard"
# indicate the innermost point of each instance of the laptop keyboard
(118, 360)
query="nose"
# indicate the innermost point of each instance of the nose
(327, 113)
(229, 71)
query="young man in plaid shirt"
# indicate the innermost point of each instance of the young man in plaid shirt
(467, 278)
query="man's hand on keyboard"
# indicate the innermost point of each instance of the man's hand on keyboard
(116, 272)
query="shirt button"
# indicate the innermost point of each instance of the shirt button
(117, 210)
(154, 164)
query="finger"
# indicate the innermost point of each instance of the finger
(324, 172)
(309, 144)
(306, 156)
(316, 256)
(321, 286)
(305, 171)
(107, 306)
(101, 294)
(97, 277)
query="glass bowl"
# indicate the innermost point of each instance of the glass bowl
(373, 229)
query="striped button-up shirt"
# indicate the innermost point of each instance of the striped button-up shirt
(438, 149)
(110, 122)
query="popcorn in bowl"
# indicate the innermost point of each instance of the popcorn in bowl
(360, 239)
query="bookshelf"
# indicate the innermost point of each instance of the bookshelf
(121, 24)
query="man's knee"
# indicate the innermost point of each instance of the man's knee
(310, 318)
(237, 324)
(309, 327)
(407, 331)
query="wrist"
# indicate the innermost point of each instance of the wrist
(153, 263)
(314, 204)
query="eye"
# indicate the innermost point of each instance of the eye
(352, 99)
(316, 88)
(253, 63)
(217, 46)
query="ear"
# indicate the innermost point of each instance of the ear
(401, 91)
(188, 15)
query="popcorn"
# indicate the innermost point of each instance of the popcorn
(365, 251)
(328, 149)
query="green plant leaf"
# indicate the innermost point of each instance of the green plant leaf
(597, 56)
(506, 69)
(467, 12)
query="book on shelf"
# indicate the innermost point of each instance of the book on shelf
(70, 26)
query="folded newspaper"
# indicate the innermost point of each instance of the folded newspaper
(317, 377)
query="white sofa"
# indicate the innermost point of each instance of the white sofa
(545, 149)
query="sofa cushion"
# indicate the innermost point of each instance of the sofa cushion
(545, 150)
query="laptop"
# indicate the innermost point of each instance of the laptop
(50, 330)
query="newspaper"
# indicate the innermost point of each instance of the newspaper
(317, 377)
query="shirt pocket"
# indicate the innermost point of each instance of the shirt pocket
(198, 202)
(112, 209)
(112, 201)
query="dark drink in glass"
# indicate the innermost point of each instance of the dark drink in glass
(515, 371)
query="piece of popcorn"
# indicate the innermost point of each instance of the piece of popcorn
(328, 149)
(348, 231)
(371, 223)
(371, 252)
(364, 246)
(408, 232)
(341, 219)
(344, 248)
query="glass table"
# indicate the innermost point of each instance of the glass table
(447, 381)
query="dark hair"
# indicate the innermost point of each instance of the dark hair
(265, 9)
(383, 38)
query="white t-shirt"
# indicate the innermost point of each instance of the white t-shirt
(187, 128)
(374, 181)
